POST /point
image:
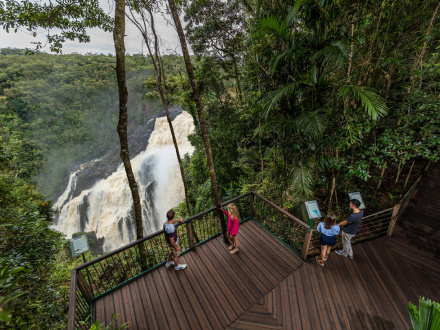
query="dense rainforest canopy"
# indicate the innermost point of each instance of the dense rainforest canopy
(303, 100)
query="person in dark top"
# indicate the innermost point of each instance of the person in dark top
(351, 226)
(171, 238)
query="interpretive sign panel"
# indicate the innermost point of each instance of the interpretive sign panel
(79, 245)
(313, 209)
(357, 195)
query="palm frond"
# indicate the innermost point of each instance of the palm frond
(335, 54)
(294, 11)
(274, 97)
(373, 104)
(302, 180)
(276, 27)
(312, 123)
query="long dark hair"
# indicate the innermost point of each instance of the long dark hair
(329, 221)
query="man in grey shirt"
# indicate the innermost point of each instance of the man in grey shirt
(351, 226)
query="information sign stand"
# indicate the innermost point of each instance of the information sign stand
(313, 211)
(79, 245)
(357, 195)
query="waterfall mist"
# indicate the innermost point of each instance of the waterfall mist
(107, 207)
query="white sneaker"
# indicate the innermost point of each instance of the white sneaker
(180, 267)
(170, 263)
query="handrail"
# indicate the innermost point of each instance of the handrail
(374, 214)
(146, 238)
(279, 209)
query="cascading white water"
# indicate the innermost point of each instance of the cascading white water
(107, 207)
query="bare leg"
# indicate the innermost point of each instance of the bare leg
(329, 248)
(323, 252)
(236, 242)
(176, 262)
(170, 255)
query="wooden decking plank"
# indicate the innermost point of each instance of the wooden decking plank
(380, 289)
(283, 255)
(99, 311)
(119, 308)
(128, 307)
(285, 301)
(334, 294)
(165, 300)
(295, 315)
(147, 303)
(230, 283)
(258, 265)
(137, 305)
(318, 293)
(219, 290)
(174, 302)
(307, 321)
(186, 304)
(243, 268)
(199, 311)
(360, 291)
(212, 318)
(158, 309)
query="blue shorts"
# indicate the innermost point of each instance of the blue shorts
(327, 240)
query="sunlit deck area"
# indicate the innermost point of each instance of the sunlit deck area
(267, 285)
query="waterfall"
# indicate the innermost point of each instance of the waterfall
(107, 207)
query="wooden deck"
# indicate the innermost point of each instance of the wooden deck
(214, 290)
(266, 286)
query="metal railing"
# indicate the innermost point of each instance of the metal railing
(287, 228)
(372, 226)
(109, 272)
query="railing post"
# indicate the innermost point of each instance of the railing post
(393, 221)
(190, 234)
(306, 245)
(87, 292)
(72, 301)
(252, 206)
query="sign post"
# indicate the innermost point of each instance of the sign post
(357, 195)
(79, 245)
(313, 211)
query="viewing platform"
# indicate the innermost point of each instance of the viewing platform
(270, 283)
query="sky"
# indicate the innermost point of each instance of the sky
(100, 42)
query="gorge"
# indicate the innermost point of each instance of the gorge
(97, 197)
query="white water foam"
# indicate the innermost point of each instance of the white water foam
(108, 204)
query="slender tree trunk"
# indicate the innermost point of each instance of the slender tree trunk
(333, 184)
(199, 107)
(399, 170)
(409, 174)
(237, 79)
(118, 37)
(381, 176)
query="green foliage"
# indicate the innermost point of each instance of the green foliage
(8, 282)
(427, 317)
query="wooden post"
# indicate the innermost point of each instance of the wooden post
(306, 245)
(72, 301)
(190, 234)
(252, 206)
(393, 220)
(86, 289)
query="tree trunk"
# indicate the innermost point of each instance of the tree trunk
(381, 176)
(118, 37)
(409, 174)
(160, 76)
(333, 184)
(199, 107)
